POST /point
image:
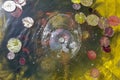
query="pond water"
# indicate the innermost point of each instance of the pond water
(41, 40)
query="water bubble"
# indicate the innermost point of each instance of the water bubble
(61, 32)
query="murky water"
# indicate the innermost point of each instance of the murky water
(54, 48)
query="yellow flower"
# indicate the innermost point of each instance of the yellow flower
(80, 18)
(75, 1)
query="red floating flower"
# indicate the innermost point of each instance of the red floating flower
(22, 61)
(91, 55)
(106, 49)
(114, 21)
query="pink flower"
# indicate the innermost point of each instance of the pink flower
(22, 61)
(104, 41)
(114, 20)
(95, 73)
